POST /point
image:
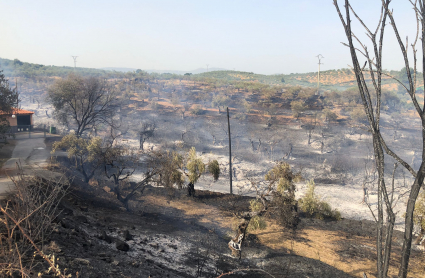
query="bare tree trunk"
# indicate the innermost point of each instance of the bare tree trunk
(236, 243)
(408, 229)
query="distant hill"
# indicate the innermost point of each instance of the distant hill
(340, 79)
(329, 80)
(118, 69)
(17, 68)
(181, 72)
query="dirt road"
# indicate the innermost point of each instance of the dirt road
(29, 153)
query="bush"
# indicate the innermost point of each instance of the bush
(297, 107)
(256, 222)
(329, 115)
(195, 166)
(26, 225)
(358, 114)
(196, 110)
(312, 206)
(214, 169)
(284, 203)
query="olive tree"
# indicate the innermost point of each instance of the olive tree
(297, 107)
(84, 153)
(82, 103)
(145, 132)
(194, 169)
(275, 195)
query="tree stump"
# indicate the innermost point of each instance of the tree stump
(191, 190)
(235, 244)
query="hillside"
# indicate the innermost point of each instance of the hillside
(320, 134)
(340, 79)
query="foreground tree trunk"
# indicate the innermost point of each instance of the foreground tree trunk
(372, 106)
(235, 244)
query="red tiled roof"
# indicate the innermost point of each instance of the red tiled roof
(16, 111)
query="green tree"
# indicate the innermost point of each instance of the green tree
(170, 173)
(329, 115)
(120, 162)
(195, 166)
(247, 107)
(402, 76)
(8, 100)
(275, 196)
(220, 100)
(391, 99)
(297, 107)
(358, 115)
(352, 95)
(84, 153)
(82, 103)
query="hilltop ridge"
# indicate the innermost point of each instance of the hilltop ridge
(335, 79)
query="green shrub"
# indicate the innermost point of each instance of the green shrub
(177, 178)
(256, 205)
(195, 166)
(313, 206)
(257, 222)
(214, 169)
(297, 107)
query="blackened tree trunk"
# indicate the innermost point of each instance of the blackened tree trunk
(373, 67)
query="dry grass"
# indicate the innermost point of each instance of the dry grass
(206, 214)
(350, 254)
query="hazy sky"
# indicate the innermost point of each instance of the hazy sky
(264, 36)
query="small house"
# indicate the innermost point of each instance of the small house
(19, 120)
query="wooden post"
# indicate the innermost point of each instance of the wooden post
(230, 152)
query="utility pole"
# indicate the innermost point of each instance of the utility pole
(75, 61)
(207, 67)
(230, 152)
(320, 57)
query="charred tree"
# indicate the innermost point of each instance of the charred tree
(371, 100)
(146, 131)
